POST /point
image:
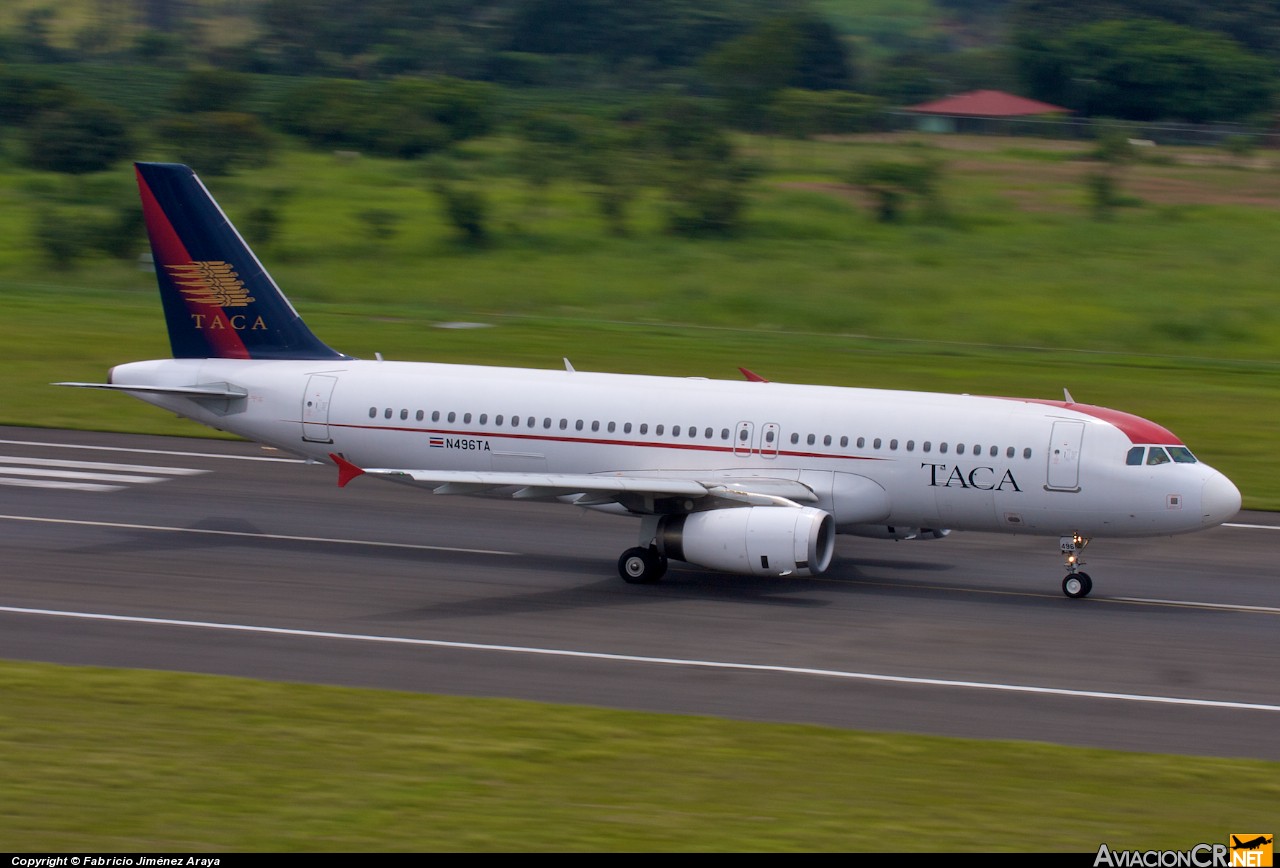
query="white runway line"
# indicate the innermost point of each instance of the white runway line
(61, 486)
(151, 451)
(659, 661)
(98, 465)
(248, 535)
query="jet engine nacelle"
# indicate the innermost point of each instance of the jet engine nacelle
(889, 531)
(760, 540)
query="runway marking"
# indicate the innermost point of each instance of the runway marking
(1188, 604)
(98, 465)
(659, 661)
(61, 486)
(153, 451)
(90, 475)
(241, 533)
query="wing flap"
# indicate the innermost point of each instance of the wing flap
(593, 489)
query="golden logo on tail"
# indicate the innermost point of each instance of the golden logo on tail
(210, 283)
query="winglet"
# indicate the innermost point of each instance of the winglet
(346, 470)
(752, 376)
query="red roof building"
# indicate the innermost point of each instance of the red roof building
(987, 104)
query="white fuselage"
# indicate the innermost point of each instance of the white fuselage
(936, 460)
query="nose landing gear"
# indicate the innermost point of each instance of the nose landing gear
(1076, 584)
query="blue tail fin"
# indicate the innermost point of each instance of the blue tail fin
(219, 302)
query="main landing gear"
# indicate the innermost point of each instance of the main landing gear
(642, 566)
(1077, 584)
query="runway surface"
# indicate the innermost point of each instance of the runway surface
(220, 557)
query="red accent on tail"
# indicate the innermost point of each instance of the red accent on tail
(752, 376)
(346, 470)
(168, 249)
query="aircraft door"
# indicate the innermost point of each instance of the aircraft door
(315, 408)
(769, 438)
(742, 444)
(1064, 456)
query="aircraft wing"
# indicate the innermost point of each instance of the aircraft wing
(635, 492)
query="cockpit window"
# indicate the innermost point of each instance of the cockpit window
(1156, 455)
(1134, 458)
(1182, 455)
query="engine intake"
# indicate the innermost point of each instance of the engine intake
(760, 540)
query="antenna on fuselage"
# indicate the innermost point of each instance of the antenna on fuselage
(1066, 395)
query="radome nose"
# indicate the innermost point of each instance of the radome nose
(1220, 499)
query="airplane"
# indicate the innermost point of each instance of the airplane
(751, 477)
(1251, 844)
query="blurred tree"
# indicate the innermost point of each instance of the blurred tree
(892, 183)
(216, 142)
(212, 90)
(789, 51)
(404, 118)
(79, 137)
(704, 182)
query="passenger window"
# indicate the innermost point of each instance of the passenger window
(644, 427)
(927, 446)
(893, 445)
(515, 421)
(675, 431)
(795, 438)
(1134, 458)
(546, 421)
(564, 424)
(768, 435)
(724, 434)
(810, 439)
(995, 450)
(844, 442)
(452, 416)
(404, 414)
(484, 417)
(1156, 455)
(959, 448)
(942, 447)
(435, 415)
(658, 430)
(1026, 453)
(911, 446)
(595, 426)
(466, 418)
(533, 420)
(419, 416)
(373, 412)
(497, 420)
(875, 444)
(1182, 455)
(387, 413)
(862, 441)
(626, 428)
(577, 426)
(826, 441)
(612, 427)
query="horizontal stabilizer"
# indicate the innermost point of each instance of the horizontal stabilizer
(211, 390)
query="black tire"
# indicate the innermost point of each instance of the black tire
(639, 566)
(1077, 585)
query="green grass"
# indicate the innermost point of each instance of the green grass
(146, 761)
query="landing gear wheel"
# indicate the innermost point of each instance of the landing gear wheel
(1077, 585)
(639, 566)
